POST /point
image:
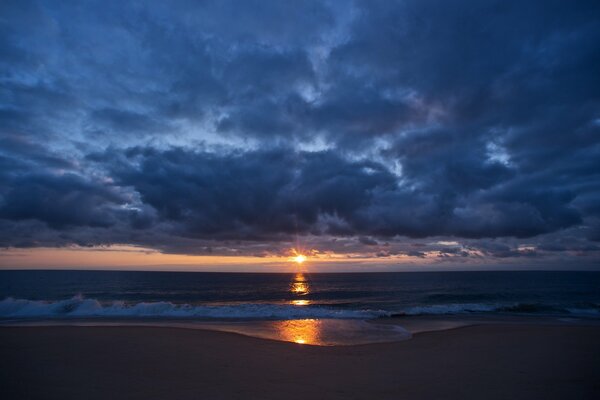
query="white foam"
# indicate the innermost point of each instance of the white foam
(78, 307)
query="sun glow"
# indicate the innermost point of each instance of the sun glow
(297, 256)
(299, 259)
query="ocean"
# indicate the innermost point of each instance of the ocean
(234, 296)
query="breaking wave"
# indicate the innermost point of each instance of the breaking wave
(78, 307)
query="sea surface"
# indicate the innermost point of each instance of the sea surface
(234, 296)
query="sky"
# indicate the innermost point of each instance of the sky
(367, 135)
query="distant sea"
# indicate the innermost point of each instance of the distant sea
(226, 296)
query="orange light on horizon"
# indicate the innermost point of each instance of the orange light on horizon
(128, 257)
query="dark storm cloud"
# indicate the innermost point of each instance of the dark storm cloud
(37, 185)
(249, 195)
(261, 194)
(60, 201)
(169, 125)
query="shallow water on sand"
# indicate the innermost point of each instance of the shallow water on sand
(318, 332)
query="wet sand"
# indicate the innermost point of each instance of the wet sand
(475, 362)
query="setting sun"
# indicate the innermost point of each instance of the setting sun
(299, 259)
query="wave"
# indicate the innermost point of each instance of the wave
(516, 308)
(79, 307)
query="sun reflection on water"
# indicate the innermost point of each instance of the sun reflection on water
(303, 331)
(300, 285)
(301, 302)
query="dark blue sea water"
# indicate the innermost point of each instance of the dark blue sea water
(103, 294)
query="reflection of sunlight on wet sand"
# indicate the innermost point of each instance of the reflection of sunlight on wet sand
(302, 331)
(318, 332)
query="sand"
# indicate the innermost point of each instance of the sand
(476, 362)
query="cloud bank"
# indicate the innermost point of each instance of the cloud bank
(378, 128)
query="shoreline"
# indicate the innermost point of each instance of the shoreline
(307, 331)
(480, 361)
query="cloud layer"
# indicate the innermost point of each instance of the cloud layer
(377, 128)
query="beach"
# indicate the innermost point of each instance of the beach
(299, 200)
(494, 361)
